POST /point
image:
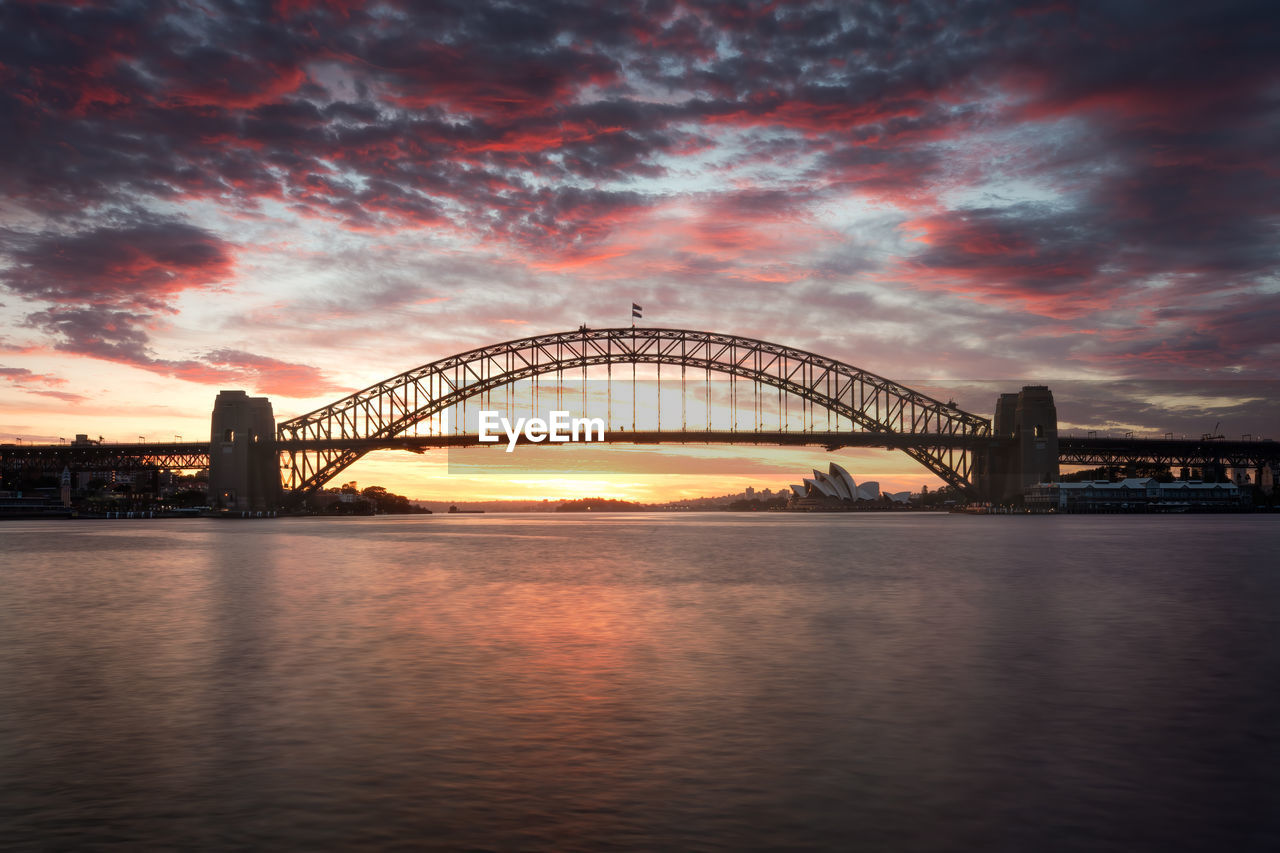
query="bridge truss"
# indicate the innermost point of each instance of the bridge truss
(176, 456)
(1173, 452)
(316, 446)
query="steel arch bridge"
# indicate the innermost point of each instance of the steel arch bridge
(316, 446)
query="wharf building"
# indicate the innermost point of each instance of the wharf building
(1136, 495)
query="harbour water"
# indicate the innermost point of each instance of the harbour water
(906, 682)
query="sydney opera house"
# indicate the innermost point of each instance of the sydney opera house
(836, 489)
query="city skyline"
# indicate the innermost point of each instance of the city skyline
(304, 199)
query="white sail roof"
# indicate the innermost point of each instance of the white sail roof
(819, 484)
(844, 484)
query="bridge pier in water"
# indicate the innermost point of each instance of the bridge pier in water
(244, 470)
(1024, 449)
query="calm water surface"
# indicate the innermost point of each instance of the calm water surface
(655, 682)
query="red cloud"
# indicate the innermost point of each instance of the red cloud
(138, 265)
(122, 337)
(47, 384)
(546, 137)
(261, 373)
(1027, 257)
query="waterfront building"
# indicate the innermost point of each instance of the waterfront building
(1135, 494)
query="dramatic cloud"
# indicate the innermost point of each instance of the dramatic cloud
(121, 337)
(235, 192)
(109, 286)
(139, 266)
(268, 375)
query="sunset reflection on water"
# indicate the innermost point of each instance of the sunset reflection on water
(911, 682)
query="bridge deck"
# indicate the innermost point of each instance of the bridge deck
(1072, 450)
(830, 440)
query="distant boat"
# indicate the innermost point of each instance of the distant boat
(454, 509)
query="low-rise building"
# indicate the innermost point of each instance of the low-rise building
(1135, 494)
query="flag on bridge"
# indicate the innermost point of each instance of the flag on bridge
(636, 311)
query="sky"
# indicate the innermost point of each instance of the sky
(303, 198)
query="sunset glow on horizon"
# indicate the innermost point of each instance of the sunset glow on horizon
(301, 199)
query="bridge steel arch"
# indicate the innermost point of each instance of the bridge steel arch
(392, 407)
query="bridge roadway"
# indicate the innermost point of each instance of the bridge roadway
(829, 440)
(195, 455)
(1091, 451)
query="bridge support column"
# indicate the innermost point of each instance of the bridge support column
(1265, 478)
(244, 472)
(1025, 451)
